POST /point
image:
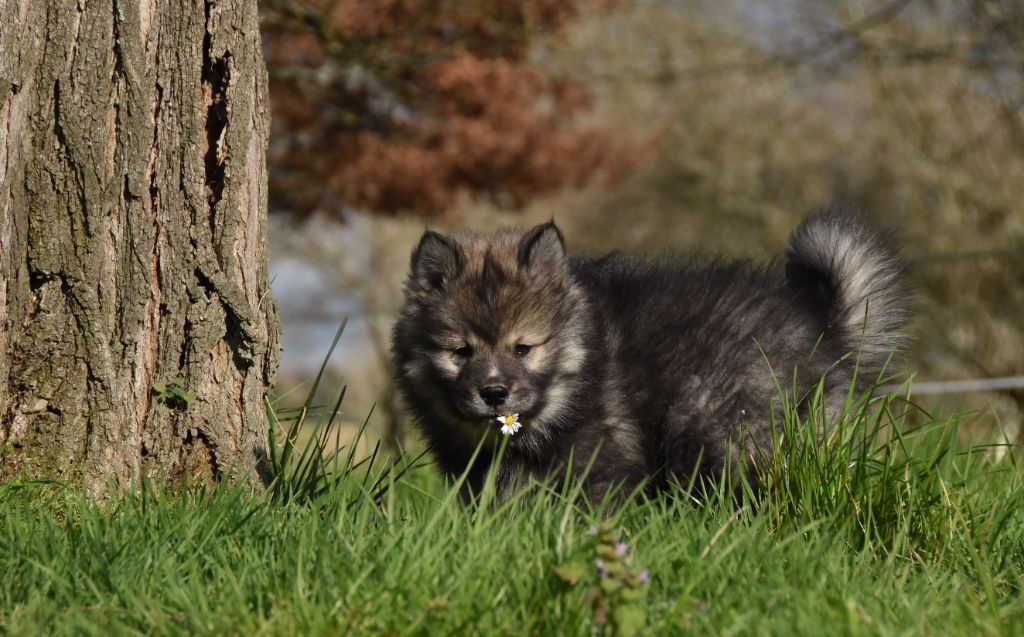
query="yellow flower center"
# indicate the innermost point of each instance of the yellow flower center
(509, 420)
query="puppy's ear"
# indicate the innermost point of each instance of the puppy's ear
(436, 261)
(542, 249)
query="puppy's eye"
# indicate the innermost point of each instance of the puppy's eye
(464, 352)
(521, 350)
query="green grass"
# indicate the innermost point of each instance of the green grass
(880, 529)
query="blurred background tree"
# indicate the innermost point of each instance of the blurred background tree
(498, 112)
(401, 105)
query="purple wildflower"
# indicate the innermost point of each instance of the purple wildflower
(593, 529)
(599, 564)
(644, 576)
(621, 549)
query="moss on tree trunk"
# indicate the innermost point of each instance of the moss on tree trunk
(133, 246)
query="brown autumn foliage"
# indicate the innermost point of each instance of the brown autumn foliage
(405, 105)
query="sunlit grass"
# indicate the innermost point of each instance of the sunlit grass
(879, 528)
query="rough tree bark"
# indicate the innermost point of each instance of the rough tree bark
(133, 246)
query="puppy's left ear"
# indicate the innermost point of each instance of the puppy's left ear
(543, 249)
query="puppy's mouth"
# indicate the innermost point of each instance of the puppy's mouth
(489, 417)
(475, 410)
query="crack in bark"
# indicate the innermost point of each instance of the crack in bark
(58, 130)
(154, 189)
(8, 90)
(216, 78)
(215, 82)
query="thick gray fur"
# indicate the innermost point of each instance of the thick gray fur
(658, 369)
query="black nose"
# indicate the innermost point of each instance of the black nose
(494, 395)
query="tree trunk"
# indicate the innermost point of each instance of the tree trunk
(137, 330)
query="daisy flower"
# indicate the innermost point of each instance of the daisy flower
(509, 424)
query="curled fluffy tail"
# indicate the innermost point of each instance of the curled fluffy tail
(851, 274)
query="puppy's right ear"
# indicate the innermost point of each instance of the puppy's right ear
(542, 248)
(435, 261)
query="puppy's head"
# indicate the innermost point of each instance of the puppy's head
(490, 326)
